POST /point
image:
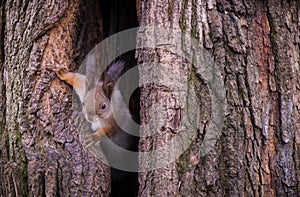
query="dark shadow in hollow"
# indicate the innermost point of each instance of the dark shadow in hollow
(119, 15)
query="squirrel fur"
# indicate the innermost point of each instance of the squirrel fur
(97, 102)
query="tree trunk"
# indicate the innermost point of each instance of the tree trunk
(40, 151)
(40, 148)
(255, 48)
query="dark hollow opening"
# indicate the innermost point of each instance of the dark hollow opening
(119, 15)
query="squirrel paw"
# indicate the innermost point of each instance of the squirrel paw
(92, 140)
(56, 67)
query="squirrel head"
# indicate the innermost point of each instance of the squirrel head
(97, 101)
(96, 104)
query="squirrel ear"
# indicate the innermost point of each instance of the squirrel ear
(114, 72)
(111, 76)
(108, 89)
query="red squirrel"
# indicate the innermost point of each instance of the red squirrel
(98, 104)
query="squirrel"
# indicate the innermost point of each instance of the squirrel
(98, 104)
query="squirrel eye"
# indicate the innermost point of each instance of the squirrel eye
(82, 103)
(103, 106)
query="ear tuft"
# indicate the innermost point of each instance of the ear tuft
(114, 72)
(111, 77)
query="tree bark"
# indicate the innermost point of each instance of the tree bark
(40, 151)
(255, 47)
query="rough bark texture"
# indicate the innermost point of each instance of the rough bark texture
(255, 45)
(40, 151)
